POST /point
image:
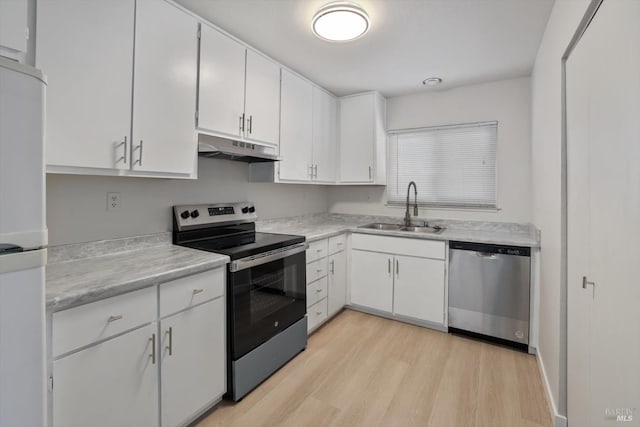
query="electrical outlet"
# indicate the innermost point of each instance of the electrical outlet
(113, 201)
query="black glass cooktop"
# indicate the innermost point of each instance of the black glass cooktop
(245, 244)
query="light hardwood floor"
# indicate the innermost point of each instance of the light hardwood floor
(362, 370)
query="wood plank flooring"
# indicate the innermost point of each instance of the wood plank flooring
(362, 370)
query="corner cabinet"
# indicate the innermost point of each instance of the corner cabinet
(86, 49)
(399, 277)
(362, 139)
(239, 90)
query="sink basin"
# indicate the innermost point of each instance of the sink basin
(382, 226)
(432, 230)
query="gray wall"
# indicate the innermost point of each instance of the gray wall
(77, 205)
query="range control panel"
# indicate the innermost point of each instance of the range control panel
(189, 217)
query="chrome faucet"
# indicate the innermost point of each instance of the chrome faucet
(407, 216)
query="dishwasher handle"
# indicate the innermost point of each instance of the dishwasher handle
(490, 249)
(487, 255)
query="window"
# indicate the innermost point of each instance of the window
(453, 166)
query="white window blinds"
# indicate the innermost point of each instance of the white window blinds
(453, 166)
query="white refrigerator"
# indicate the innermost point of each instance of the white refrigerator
(23, 240)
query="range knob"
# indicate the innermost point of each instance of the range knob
(184, 214)
(252, 209)
(195, 214)
(245, 210)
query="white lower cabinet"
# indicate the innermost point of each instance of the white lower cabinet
(372, 280)
(114, 383)
(384, 278)
(192, 360)
(337, 292)
(418, 290)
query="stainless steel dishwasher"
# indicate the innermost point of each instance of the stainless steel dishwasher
(489, 292)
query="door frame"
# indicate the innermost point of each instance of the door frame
(590, 13)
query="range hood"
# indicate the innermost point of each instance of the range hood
(221, 148)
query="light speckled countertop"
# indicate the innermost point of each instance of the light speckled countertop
(87, 272)
(321, 226)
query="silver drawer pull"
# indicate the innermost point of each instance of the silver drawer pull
(319, 270)
(114, 318)
(339, 243)
(318, 313)
(318, 290)
(198, 291)
(318, 250)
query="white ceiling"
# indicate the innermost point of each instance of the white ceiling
(461, 41)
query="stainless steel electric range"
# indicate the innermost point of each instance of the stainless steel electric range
(266, 288)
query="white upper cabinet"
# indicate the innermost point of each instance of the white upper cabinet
(222, 70)
(13, 25)
(262, 99)
(85, 47)
(324, 136)
(165, 85)
(296, 123)
(362, 139)
(239, 94)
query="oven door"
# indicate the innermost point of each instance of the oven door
(267, 294)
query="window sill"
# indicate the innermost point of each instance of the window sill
(445, 208)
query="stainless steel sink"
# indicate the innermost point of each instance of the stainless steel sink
(432, 230)
(382, 226)
(400, 227)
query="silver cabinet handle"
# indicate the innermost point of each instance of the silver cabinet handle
(585, 282)
(241, 125)
(369, 172)
(389, 265)
(139, 147)
(124, 152)
(114, 318)
(333, 266)
(318, 290)
(318, 250)
(197, 291)
(315, 173)
(250, 122)
(397, 268)
(170, 346)
(318, 313)
(310, 167)
(153, 348)
(318, 270)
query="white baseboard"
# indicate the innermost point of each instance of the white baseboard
(557, 419)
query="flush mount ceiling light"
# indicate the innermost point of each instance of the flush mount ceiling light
(432, 81)
(340, 22)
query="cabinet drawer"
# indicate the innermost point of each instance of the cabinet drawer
(316, 314)
(317, 250)
(399, 245)
(83, 325)
(316, 270)
(191, 290)
(316, 291)
(337, 243)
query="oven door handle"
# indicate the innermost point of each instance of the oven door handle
(252, 261)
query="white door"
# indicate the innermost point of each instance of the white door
(262, 99)
(110, 384)
(357, 138)
(296, 122)
(418, 289)
(324, 136)
(337, 282)
(603, 210)
(164, 98)
(372, 280)
(85, 48)
(221, 89)
(193, 361)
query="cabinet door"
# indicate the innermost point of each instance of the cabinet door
(324, 136)
(222, 68)
(296, 122)
(262, 99)
(357, 138)
(372, 280)
(85, 47)
(164, 99)
(13, 25)
(337, 282)
(110, 384)
(419, 288)
(193, 371)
